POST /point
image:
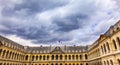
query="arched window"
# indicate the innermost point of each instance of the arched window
(44, 57)
(32, 58)
(73, 57)
(114, 43)
(107, 62)
(111, 62)
(65, 57)
(104, 63)
(80, 57)
(0, 51)
(56, 57)
(26, 57)
(13, 55)
(60, 63)
(108, 47)
(60, 57)
(81, 64)
(118, 61)
(7, 54)
(56, 64)
(118, 40)
(104, 48)
(10, 55)
(86, 63)
(48, 57)
(76, 57)
(52, 64)
(4, 53)
(69, 57)
(52, 57)
(36, 57)
(40, 57)
(86, 56)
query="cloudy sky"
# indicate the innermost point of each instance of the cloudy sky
(46, 22)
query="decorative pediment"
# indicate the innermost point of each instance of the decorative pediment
(102, 37)
(57, 50)
(1, 43)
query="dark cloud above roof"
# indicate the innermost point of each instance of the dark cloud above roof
(78, 21)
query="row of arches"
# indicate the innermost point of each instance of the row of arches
(11, 55)
(108, 62)
(62, 64)
(106, 46)
(44, 64)
(13, 64)
(95, 63)
(94, 53)
(116, 42)
(57, 57)
(118, 60)
(15, 47)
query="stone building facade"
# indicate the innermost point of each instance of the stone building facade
(104, 51)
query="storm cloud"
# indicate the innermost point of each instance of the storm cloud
(49, 21)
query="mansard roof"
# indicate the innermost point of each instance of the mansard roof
(50, 49)
(117, 25)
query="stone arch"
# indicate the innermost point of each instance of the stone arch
(36, 57)
(73, 57)
(107, 62)
(104, 46)
(86, 63)
(52, 57)
(26, 58)
(118, 40)
(13, 55)
(65, 57)
(118, 61)
(114, 44)
(69, 57)
(52, 64)
(76, 57)
(0, 52)
(80, 57)
(86, 57)
(60, 63)
(4, 52)
(56, 64)
(104, 63)
(56, 57)
(111, 62)
(108, 47)
(102, 49)
(47, 57)
(32, 58)
(44, 57)
(10, 54)
(60, 57)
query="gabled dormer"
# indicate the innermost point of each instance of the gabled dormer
(57, 50)
(102, 37)
(1, 43)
